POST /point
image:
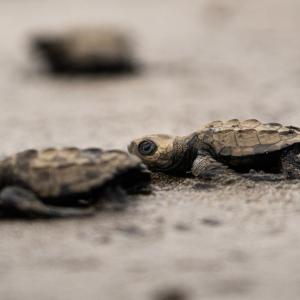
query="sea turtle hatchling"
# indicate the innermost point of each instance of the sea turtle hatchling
(224, 147)
(63, 182)
(86, 50)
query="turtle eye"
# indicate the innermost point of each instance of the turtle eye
(147, 147)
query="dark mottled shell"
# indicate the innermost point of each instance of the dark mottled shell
(249, 137)
(63, 172)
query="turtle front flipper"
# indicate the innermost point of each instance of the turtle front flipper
(207, 168)
(16, 202)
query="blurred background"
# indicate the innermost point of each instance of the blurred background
(200, 60)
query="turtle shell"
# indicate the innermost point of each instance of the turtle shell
(245, 138)
(68, 171)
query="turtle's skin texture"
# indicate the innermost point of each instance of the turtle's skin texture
(63, 182)
(224, 147)
(87, 50)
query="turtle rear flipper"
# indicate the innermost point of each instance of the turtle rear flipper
(16, 202)
(290, 163)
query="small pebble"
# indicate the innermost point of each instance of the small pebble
(182, 227)
(210, 221)
(171, 294)
(131, 230)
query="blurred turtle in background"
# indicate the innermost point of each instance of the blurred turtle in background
(94, 50)
(67, 182)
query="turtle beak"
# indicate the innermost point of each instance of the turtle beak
(131, 147)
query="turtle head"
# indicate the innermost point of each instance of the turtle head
(159, 152)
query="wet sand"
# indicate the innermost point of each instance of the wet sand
(203, 60)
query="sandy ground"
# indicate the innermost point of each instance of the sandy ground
(203, 60)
